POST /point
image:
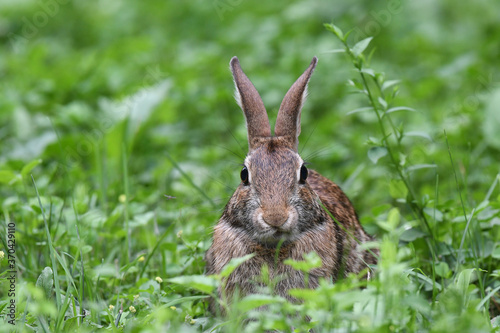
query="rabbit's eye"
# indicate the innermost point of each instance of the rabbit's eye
(303, 173)
(244, 175)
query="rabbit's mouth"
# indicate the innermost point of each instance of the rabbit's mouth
(269, 235)
(273, 236)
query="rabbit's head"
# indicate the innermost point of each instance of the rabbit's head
(274, 200)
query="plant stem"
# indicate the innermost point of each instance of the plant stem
(358, 63)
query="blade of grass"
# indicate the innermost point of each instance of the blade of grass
(51, 249)
(492, 187)
(162, 237)
(62, 313)
(126, 188)
(475, 255)
(100, 154)
(486, 299)
(191, 182)
(82, 270)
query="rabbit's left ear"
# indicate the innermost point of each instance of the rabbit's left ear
(250, 102)
(288, 121)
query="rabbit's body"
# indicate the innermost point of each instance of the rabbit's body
(279, 200)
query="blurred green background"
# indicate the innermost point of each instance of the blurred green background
(104, 98)
(79, 68)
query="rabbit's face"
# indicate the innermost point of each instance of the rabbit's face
(277, 198)
(274, 201)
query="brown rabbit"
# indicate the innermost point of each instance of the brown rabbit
(280, 200)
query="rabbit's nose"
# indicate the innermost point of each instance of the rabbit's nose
(275, 218)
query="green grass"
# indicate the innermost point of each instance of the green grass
(121, 144)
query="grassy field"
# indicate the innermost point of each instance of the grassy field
(121, 143)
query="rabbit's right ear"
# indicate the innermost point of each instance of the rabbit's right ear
(250, 102)
(288, 121)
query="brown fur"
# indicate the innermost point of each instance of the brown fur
(276, 204)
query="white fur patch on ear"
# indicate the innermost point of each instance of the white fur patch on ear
(304, 96)
(247, 163)
(301, 162)
(237, 95)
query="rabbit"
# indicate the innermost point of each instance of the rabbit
(281, 203)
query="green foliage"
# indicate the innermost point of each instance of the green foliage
(46, 282)
(311, 261)
(121, 143)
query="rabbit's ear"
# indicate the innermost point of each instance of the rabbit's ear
(250, 102)
(288, 121)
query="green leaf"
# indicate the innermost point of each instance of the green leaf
(487, 298)
(383, 103)
(7, 177)
(86, 249)
(421, 134)
(311, 260)
(254, 301)
(463, 280)
(483, 205)
(71, 324)
(443, 270)
(361, 46)
(308, 295)
(368, 71)
(427, 281)
(375, 153)
(355, 83)
(30, 166)
(358, 110)
(183, 299)
(46, 281)
(336, 30)
(233, 264)
(397, 189)
(420, 166)
(434, 213)
(496, 253)
(203, 283)
(390, 83)
(336, 51)
(374, 141)
(393, 218)
(495, 322)
(400, 108)
(409, 235)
